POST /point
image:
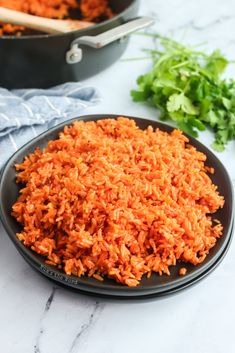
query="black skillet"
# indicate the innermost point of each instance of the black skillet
(156, 285)
(42, 60)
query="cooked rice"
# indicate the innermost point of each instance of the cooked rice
(109, 199)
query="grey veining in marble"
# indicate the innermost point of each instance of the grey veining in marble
(38, 317)
(44, 315)
(85, 327)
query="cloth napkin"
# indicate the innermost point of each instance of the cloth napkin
(25, 113)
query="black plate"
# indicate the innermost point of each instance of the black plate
(154, 286)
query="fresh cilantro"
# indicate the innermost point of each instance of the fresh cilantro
(178, 101)
(186, 86)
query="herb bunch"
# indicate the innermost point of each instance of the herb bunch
(186, 86)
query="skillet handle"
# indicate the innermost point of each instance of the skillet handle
(74, 55)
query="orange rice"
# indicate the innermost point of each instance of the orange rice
(109, 199)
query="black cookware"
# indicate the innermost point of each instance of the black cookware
(45, 60)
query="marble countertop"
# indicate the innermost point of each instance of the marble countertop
(37, 317)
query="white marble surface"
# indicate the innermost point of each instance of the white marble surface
(36, 317)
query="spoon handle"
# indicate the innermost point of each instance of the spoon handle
(38, 23)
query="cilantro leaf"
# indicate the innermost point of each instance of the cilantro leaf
(180, 101)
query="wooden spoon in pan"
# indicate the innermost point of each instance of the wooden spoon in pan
(41, 23)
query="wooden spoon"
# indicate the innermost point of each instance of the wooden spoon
(41, 23)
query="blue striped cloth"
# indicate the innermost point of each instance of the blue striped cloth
(25, 113)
